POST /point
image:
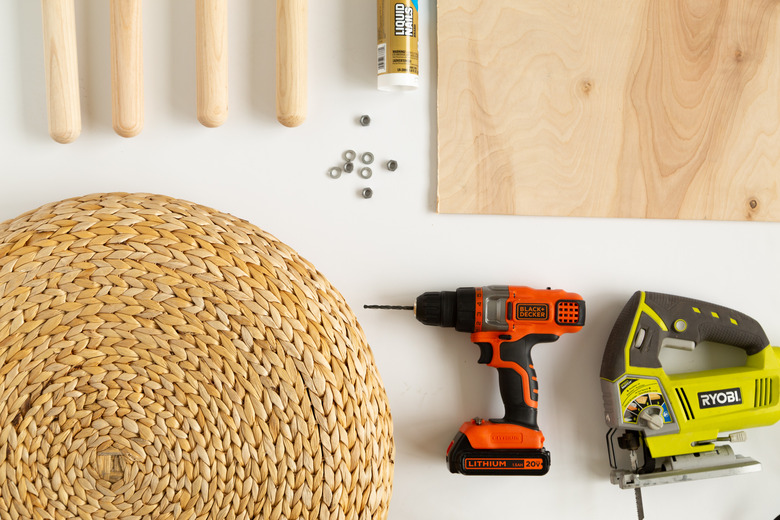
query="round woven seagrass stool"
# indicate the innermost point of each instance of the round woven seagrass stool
(162, 360)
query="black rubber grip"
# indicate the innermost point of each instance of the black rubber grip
(519, 404)
(516, 411)
(685, 319)
(709, 322)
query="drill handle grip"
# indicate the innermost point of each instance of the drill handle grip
(516, 409)
(516, 376)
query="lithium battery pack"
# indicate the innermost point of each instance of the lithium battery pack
(463, 458)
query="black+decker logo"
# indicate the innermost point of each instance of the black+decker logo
(728, 397)
(532, 311)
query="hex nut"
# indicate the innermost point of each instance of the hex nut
(365, 120)
(349, 167)
(367, 193)
(334, 173)
(350, 155)
(392, 166)
(365, 172)
(367, 158)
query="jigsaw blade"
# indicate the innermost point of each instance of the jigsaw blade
(640, 509)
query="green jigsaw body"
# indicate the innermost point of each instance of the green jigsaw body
(684, 413)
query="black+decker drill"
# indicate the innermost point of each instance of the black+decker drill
(505, 322)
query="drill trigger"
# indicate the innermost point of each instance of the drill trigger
(485, 353)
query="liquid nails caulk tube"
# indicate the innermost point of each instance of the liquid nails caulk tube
(397, 58)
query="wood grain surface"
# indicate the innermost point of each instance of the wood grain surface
(649, 109)
(211, 61)
(127, 67)
(62, 70)
(292, 44)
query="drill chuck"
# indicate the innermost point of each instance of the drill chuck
(448, 309)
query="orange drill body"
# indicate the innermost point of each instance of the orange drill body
(530, 313)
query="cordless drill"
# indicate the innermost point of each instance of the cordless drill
(505, 322)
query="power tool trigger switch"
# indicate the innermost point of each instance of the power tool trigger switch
(485, 353)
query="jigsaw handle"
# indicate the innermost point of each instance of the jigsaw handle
(698, 321)
(650, 321)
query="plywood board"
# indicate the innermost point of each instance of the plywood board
(610, 108)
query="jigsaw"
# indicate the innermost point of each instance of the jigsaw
(671, 425)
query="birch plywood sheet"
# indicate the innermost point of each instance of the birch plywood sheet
(610, 108)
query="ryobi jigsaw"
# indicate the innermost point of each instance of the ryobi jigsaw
(670, 423)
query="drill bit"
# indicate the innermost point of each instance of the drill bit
(390, 307)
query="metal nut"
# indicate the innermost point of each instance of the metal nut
(392, 166)
(367, 193)
(367, 158)
(349, 167)
(365, 172)
(350, 155)
(365, 120)
(334, 173)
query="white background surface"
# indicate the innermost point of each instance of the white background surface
(394, 246)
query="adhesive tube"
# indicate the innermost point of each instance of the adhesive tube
(397, 59)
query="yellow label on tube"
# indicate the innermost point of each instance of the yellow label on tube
(397, 38)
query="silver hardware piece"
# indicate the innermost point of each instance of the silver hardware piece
(367, 193)
(350, 155)
(367, 158)
(349, 167)
(365, 172)
(365, 120)
(334, 173)
(392, 165)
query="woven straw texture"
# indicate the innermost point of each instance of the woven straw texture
(159, 359)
